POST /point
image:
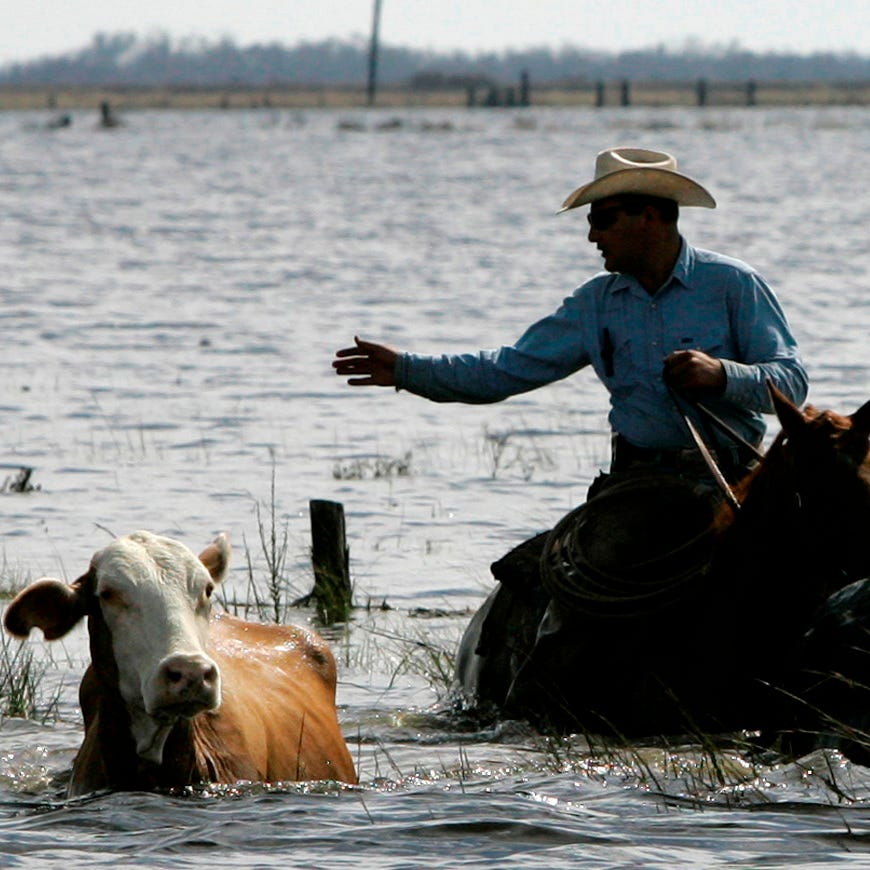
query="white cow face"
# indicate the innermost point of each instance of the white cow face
(155, 598)
(149, 599)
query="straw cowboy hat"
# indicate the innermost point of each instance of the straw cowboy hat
(636, 170)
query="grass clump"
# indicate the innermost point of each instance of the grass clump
(12, 580)
(273, 544)
(373, 468)
(504, 454)
(382, 643)
(22, 684)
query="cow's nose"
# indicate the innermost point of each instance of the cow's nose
(188, 679)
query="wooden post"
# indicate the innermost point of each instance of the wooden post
(625, 93)
(599, 94)
(751, 92)
(701, 91)
(525, 88)
(373, 54)
(333, 592)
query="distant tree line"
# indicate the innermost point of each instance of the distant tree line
(127, 59)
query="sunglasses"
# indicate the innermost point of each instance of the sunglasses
(604, 218)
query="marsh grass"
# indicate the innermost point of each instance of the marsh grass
(374, 644)
(23, 694)
(273, 545)
(12, 579)
(270, 594)
(505, 452)
(374, 468)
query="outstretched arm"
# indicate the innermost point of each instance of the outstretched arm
(366, 364)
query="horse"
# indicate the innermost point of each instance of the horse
(676, 615)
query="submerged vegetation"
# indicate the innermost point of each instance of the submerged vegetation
(373, 468)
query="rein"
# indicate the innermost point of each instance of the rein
(707, 456)
(735, 436)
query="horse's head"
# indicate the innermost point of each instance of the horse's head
(820, 464)
(823, 435)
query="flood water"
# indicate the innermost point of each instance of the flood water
(172, 294)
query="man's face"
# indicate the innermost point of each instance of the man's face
(619, 236)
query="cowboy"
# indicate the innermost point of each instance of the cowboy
(666, 326)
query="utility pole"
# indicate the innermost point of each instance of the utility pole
(373, 53)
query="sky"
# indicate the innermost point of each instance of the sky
(31, 29)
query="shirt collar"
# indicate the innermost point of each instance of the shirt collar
(682, 273)
(684, 266)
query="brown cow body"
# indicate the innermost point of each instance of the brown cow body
(175, 696)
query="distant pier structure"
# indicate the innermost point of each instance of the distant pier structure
(497, 96)
(729, 93)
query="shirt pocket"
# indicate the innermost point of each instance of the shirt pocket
(711, 338)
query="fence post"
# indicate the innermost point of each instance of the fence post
(525, 88)
(333, 592)
(751, 92)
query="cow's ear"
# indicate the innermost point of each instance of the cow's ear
(49, 604)
(216, 557)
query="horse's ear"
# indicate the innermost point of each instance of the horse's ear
(789, 414)
(861, 419)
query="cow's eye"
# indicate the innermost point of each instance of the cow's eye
(109, 596)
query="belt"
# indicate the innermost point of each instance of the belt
(626, 455)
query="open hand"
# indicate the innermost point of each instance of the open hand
(366, 364)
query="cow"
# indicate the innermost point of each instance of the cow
(176, 694)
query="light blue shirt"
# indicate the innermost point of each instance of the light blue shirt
(710, 302)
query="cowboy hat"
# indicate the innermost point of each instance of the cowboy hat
(638, 171)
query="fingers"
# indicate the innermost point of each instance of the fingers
(358, 358)
(361, 348)
(694, 371)
(674, 367)
(367, 363)
(354, 366)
